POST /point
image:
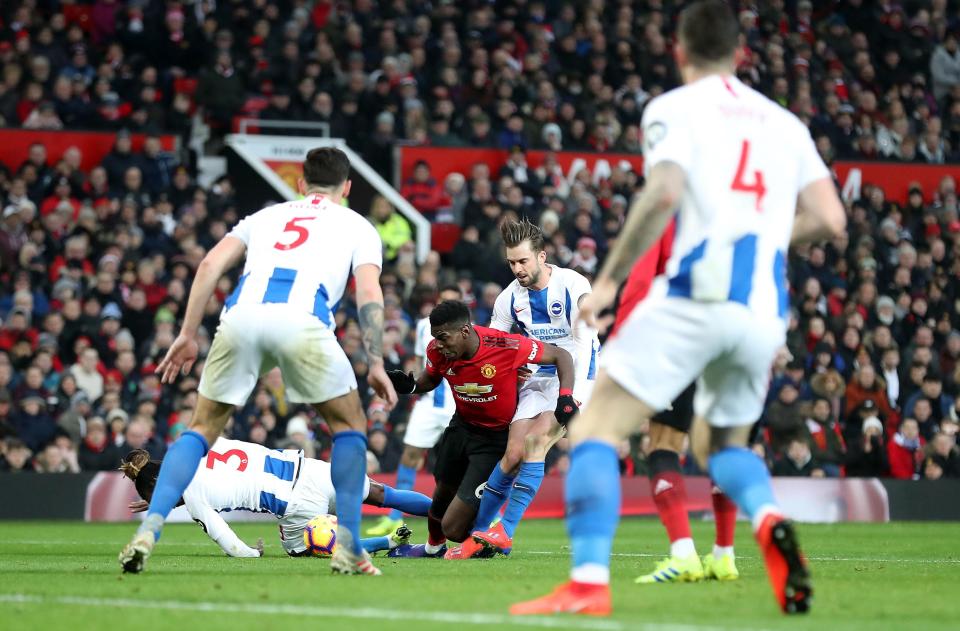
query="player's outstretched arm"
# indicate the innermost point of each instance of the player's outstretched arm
(183, 352)
(648, 217)
(820, 213)
(370, 310)
(566, 405)
(218, 530)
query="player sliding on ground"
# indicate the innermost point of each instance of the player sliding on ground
(238, 475)
(480, 364)
(430, 416)
(739, 167)
(668, 429)
(542, 303)
(299, 256)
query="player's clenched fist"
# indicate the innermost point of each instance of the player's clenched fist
(566, 408)
(403, 382)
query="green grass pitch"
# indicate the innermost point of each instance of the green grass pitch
(64, 575)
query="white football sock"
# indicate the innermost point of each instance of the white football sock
(592, 573)
(430, 549)
(682, 548)
(720, 551)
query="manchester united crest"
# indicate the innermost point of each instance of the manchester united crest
(488, 371)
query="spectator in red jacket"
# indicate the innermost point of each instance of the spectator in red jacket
(905, 451)
(422, 190)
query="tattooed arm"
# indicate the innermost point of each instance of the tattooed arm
(370, 308)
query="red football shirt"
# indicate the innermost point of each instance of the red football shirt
(647, 267)
(485, 386)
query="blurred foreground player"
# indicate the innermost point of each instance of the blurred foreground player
(668, 429)
(480, 364)
(739, 167)
(299, 256)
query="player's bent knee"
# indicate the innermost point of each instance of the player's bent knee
(513, 456)
(666, 437)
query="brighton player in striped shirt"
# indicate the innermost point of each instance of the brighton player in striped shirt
(744, 179)
(429, 417)
(299, 256)
(542, 303)
(238, 475)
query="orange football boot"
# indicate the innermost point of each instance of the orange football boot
(571, 597)
(786, 565)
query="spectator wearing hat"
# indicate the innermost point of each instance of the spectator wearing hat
(867, 455)
(299, 436)
(73, 419)
(34, 425)
(784, 419)
(931, 390)
(905, 450)
(585, 256)
(825, 437)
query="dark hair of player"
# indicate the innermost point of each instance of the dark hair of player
(516, 232)
(450, 312)
(138, 467)
(709, 32)
(326, 167)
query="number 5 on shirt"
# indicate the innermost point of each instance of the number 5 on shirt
(301, 232)
(739, 182)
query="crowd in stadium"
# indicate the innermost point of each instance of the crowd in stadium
(95, 265)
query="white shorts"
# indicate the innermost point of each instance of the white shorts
(540, 394)
(253, 339)
(667, 343)
(313, 495)
(427, 422)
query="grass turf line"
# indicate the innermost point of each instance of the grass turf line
(876, 576)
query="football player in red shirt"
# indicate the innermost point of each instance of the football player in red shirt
(481, 366)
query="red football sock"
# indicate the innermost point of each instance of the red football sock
(725, 515)
(435, 536)
(670, 496)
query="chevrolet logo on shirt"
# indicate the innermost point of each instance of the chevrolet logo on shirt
(473, 389)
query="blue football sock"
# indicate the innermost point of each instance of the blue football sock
(348, 469)
(743, 477)
(593, 502)
(524, 489)
(409, 502)
(375, 544)
(406, 476)
(495, 492)
(176, 472)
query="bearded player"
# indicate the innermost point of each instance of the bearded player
(542, 303)
(481, 365)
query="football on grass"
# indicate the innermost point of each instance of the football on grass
(320, 535)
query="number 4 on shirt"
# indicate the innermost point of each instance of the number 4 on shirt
(739, 180)
(301, 232)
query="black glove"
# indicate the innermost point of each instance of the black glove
(566, 409)
(403, 383)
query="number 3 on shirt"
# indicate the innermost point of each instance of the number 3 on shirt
(214, 457)
(300, 231)
(739, 182)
